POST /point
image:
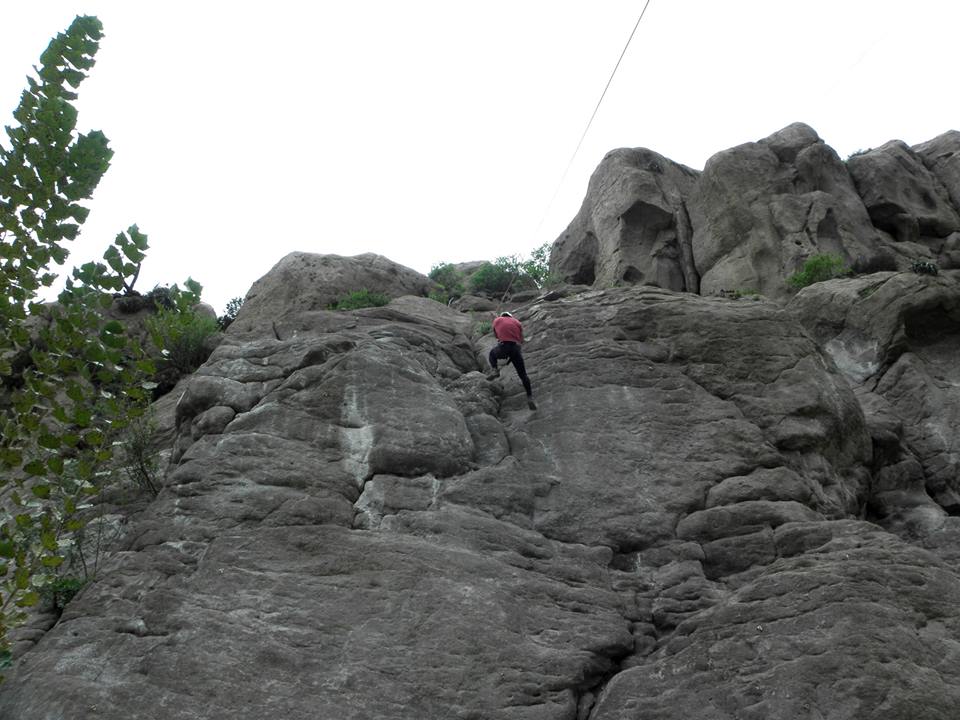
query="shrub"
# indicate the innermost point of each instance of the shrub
(537, 267)
(359, 299)
(818, 268)
(449, 279)
(57, 593)
(230, 312)
(482, 328)
(182, 336)
(139, 454)
(496, 277)
(924, 267)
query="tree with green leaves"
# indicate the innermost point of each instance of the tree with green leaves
(71, 378)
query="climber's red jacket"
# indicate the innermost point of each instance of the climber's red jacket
(508, 329)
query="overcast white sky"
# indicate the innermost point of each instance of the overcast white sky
(438, 130)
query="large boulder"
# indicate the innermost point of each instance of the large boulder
(307, 281)
(632, 227)
(942, 157)
(896, 337)
(906, 201)
(762, 208)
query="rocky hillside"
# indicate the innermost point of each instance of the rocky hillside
(757, 211)
(722, 508)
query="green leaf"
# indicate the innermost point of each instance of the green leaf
(41, 491)
(49, 541)
(114, 341)
(11, 457)
(28, 599)
(93, 438)
(22, 578)
(35, 468)
(55, 463)
(51, 561)
(49, 441)
(7, 548)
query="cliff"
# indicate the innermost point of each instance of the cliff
(722, 508)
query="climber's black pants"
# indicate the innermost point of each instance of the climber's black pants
(511, 351)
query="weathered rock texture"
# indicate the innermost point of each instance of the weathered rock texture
(758, 211)
(305, 281)
(896, 337)
(633, 227)
(358, 524)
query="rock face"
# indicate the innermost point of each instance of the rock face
(762, 208)
(903, 197)
(357, 523)
(758, 211)
(896, 336)
(305, 281)
(633, 226)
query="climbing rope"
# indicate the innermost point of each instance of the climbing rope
(590, 121)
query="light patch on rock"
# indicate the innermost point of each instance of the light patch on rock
(356, 437)
(856, 357)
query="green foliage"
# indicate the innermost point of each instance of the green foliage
(47, 169)
(359, 299)
(818, 268)
(481, 328)
(513, 273)
(450, 280)
(139, 455)
(537, 266)
(230, 312)
(181, 333)
(497, 277)
(924, 267)
(79, 379)
(60, 591)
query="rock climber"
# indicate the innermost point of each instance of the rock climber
(509, 333)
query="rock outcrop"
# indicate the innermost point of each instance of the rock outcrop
(305, 281)
(896, 337)
(357, 523)
(761, 209)
(758, 211)
(722, 508)
(633, 227)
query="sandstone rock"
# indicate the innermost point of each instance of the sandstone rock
(784, 645)
(305, 281)
(903, 197)
(761, 209)
(475, 303)
(942, 157)
(632, 226)
(897, 336)
(359, 524)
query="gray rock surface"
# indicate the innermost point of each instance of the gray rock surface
(905, 199)
(359, 524)
(722, 508)
(942, 157)
(306, 281)
(896, 336)
(758, 211)
(632, 227)
(761, 209)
